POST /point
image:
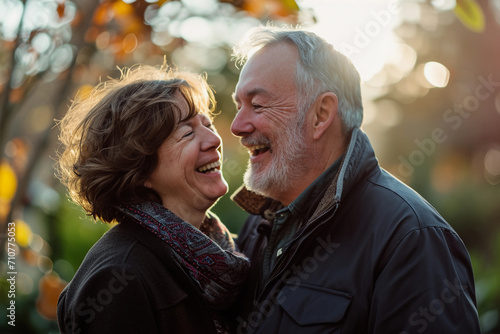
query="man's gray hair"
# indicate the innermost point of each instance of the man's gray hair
(321, 69)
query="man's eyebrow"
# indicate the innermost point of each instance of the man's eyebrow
(251, 93)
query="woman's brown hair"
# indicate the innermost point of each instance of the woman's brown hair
(111, 137)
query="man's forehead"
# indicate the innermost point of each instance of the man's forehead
(248, 92)
(266, 71)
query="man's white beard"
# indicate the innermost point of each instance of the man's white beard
(288, 163)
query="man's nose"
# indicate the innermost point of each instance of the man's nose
(242, 124)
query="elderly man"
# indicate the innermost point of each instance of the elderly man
(337, 244)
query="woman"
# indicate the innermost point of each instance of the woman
(141, 151)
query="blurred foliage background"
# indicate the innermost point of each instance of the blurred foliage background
(431, 90)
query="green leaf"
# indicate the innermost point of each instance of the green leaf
(470, 14)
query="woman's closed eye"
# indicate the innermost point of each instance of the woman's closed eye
(187, 134)
(207, 123)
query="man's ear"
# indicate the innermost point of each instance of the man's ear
(325, 111)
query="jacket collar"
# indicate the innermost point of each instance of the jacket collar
(359, 159)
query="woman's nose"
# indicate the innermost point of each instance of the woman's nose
(211, 140)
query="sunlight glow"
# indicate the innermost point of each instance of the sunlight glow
(10, 15)
(436, 74)
(360, 29)
(444, 4)
(197, 29)
(492, 162)
(41, 42)
(201, 7)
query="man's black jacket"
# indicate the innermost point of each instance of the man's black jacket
(375, 257)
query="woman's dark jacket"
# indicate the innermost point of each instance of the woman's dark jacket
(128, 283)
(374, 257)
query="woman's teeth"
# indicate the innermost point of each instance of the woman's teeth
(211, 167)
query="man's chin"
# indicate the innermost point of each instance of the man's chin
(258, 183)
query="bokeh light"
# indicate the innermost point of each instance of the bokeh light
(418, 61)
(8, 180)
(492, 164)
(436, 74)
(362, 32)
(10, 16)
(23, 233)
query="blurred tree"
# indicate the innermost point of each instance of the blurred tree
(50, 51)
(53, 49)
(444, 109)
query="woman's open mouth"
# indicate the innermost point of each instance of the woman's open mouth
(209, 168)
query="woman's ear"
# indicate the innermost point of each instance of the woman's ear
(148, 184)
(325, 111)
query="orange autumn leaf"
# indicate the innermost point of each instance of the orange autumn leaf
(270, 8)
(134, 27)
(129, 24)
(84, 91)
(61, 7)
(4, 208)
(77, 19)
(286, 8)
(254, 7)
(50, 287)
(129, 43)
(30, 256)
(16, 95)
(102, 15)
(91, 34)
(121, 8)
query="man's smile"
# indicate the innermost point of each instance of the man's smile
(258, 149)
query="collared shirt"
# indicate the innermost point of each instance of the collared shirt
(289, 219)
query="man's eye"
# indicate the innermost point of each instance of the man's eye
(256, 106)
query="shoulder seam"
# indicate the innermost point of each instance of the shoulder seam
(396, 243)
(419, 220)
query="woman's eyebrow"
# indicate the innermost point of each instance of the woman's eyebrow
(187, 122)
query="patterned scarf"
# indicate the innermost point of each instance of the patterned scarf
(207, 255)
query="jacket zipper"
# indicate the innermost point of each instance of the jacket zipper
(281, 265)
(259, 277)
